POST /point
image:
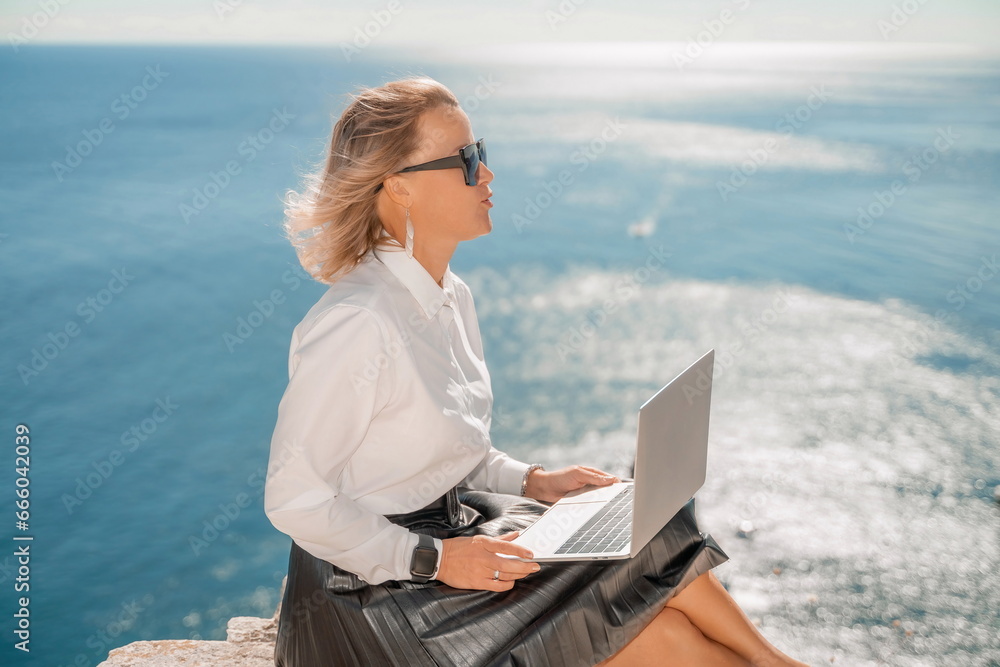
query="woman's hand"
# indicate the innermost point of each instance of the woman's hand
(469, 562)
(550, 486)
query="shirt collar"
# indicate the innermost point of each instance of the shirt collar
(415, 278)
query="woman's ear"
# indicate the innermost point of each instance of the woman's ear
(396, 189)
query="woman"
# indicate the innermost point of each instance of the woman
(381, 466)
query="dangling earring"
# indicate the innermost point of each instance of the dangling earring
(409, 234)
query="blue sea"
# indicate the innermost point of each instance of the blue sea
(824, 216)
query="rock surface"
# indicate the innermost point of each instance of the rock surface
(249, 643)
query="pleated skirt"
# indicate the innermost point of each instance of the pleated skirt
(572, 614)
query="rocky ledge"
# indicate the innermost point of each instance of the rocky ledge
(249, 643)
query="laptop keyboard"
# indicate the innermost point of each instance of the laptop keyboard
(608, 530)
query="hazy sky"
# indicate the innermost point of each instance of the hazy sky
(408, 22)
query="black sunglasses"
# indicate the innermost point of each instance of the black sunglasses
(468, 160)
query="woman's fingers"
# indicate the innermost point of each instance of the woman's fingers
(504, 583)
(474, 554)
(509, 567)
(515, 569)
(500, 585)
(600, 472)
(500, 545)
(512, 569)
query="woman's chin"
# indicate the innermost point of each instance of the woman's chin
(487, 226)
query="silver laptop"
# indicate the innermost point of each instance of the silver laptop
(616, 521)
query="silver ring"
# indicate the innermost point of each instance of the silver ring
(496, 575)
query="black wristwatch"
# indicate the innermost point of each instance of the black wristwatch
(425, 558)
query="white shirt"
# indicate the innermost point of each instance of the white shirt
(388, 406)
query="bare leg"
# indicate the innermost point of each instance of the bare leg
(671, 639)
(713, 611)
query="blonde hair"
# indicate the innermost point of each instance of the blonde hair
(333, 222)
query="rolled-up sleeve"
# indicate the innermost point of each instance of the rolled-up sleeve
(336, 387)
(497, 472)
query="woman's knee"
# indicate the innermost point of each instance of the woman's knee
(670, 633)
(675, 629)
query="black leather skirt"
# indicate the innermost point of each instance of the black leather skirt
(573, 614)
